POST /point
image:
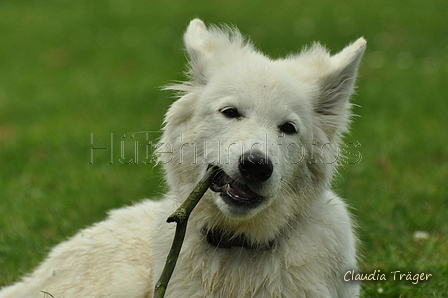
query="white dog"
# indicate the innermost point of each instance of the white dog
(269, 226)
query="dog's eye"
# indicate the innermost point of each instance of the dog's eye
(230, 112)
(288, 128)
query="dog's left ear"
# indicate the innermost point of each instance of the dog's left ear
(333, 105)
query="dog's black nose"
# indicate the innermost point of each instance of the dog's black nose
(255, 166)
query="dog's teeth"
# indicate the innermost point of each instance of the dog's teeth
(231, 191)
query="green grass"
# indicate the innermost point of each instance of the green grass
(72, 68)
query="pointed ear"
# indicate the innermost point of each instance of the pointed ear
(336, 87)
(201, 45)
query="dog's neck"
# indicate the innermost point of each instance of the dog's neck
(220, 238)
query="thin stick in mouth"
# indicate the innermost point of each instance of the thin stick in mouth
(180, 216)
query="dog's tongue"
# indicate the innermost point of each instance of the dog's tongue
(228, 186)
(239, 191)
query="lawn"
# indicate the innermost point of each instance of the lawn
(77, 75)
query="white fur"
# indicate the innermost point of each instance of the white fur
(312, 230)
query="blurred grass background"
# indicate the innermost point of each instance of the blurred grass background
(70, 69)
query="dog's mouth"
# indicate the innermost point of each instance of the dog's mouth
(233, 192)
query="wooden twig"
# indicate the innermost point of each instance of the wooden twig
(180, 216)
(46, 293)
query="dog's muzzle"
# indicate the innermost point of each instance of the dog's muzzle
(254, 169)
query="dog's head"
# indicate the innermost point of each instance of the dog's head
(271, 126)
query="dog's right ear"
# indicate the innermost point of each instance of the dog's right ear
(211, 48)
(201, 45)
